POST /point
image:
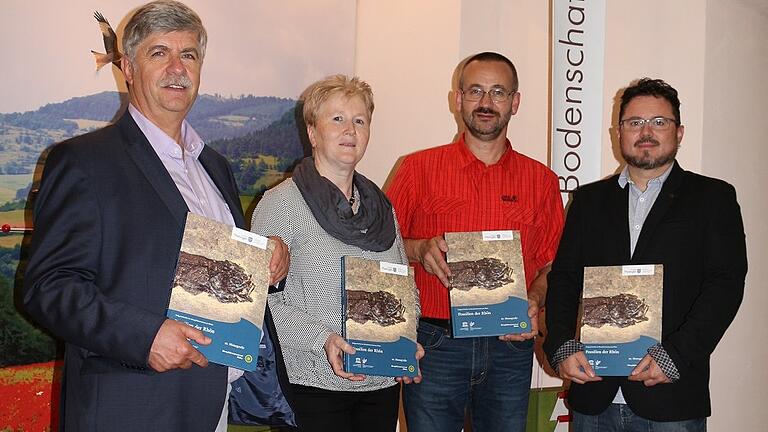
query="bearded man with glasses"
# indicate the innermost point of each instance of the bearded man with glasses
(477, 183)
(654, 212)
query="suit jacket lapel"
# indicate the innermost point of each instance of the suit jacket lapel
(149, 164)
(222, 181)
(664, 201)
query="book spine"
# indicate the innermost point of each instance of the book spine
(347, 360)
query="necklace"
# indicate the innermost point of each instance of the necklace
(352, 196)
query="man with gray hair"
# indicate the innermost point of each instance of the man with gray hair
(109, 218)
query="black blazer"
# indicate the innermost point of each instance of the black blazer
(108, 226)
(695, 230)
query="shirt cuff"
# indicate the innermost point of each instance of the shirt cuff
(318, 346)
(569, 348)
(666, 364)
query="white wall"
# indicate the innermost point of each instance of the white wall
(519, 30)
(657, 39)
(406, 51)
(734, 148)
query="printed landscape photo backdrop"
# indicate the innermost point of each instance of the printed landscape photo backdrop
(261, 55)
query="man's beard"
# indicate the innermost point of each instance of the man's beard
(645, 161)
(491, 131)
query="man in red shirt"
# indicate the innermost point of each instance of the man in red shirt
(477, 183)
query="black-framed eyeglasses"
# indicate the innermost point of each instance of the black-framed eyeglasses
(656, 123)
(497, 94)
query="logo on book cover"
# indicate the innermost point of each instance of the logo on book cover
(638, 270)
(249, 238)
(248, 358)
(498, 235)
(395, 269)
(523, 324)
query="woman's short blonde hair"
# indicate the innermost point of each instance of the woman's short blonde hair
(319, 92)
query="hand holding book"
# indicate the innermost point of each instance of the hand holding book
(536, 297)
(577, 369)
(279, 262)
(533, 317)
(648, 372)
(431, 254)
(335, 348)
(171, 348)
(417, 379)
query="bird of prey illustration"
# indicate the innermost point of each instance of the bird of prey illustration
(110, 44)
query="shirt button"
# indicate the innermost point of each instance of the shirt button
(637, 227)
(642, 199)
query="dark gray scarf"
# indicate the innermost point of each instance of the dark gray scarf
(372, 228)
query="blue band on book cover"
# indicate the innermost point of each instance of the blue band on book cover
(232, 344)
(382, 358)
(617, 359)
(510, 316)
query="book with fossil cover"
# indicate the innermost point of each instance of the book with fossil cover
(488, 292)
(220, 288)
(380, 307)
(620, 315)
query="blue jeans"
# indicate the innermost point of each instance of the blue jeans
(488, 378)
(619, 418)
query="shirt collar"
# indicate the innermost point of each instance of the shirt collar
(624, 177)
(467, 158)
(164, 144)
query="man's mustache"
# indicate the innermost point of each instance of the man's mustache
(646, 140)
(485, 110)
(177, 80)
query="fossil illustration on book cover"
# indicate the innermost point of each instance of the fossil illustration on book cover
(621, 303)
(484, 270)
(218, 276)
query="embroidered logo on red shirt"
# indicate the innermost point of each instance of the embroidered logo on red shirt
(509, 198)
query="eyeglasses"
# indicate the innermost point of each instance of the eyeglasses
(497, 95)
(656, 123)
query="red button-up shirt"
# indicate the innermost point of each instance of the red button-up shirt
(447, 189)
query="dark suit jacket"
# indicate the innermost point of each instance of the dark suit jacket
(108, 226)
(695, 230)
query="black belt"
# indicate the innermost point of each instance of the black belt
(443, 323)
